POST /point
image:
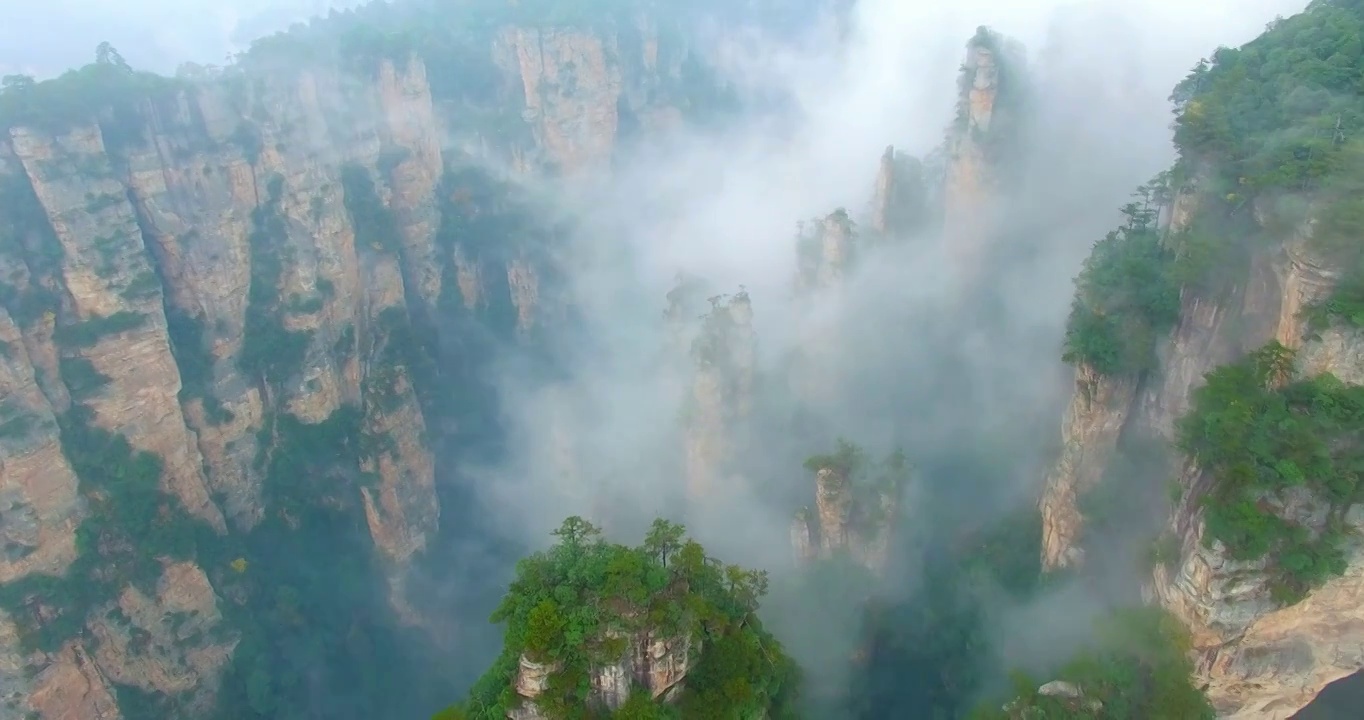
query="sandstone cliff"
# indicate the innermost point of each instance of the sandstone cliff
(220, 270)
(824, 250)
(901, 198)
(1258, 657)
(657, 666)
(719, 398)
(1257, 654)
(857, 508)
(982, 145)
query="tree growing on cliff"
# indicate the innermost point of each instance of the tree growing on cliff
(584, 602)
(1260, 434)
(1126, 293)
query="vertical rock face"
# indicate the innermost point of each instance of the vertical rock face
(414, 137)
(572, 91)
(899, 204)
(721, 393)
(980, 144)
(1258, 658)
(833, 503)
(194, 201)
(1255, 657)
(802, 544)
(1102, 406)
(120, 327)
(164, 642)
(656, 665)
(1089, 435)
(853, 516)
(213, 271)
(824, 249)
(39, 504)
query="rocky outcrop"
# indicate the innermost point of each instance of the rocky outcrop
(1089, 435)
(39, 503)
(855, 514)
(71, 686)
(655, 665)
(720, 397)
(169, 640)
(824, 248)
(166, 642)
(118, 324)
(981, 145)
(900, 198)
(1256, 657)
(265, 247)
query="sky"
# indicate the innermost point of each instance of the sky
(45, 38)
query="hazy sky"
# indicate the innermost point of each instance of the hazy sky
(44, 38)
(48, 36)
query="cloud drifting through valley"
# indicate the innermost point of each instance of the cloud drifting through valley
(970, 383)
(724, 207)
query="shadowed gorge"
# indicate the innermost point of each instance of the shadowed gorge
(871, 360)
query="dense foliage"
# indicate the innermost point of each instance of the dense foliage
(1277, 123)
(1137, 668)
(1126, 294)
(107, 91)
(1272, 113)
(585, 602)
(1265, 438)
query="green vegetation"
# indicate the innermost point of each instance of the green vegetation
(1262, 436)
(107, 90)
(1011, 96)
(1339, 225)
(14, 421)
(145, 286)
(1277, 122)
(89, 332)
(1273, 114)
(1136, 669)
(195, 361)
(270, 351)
(1126, 294)
(26, 233)
(1007, 554)
(399, 350)
(82, 380)
(579, 603)
(375, 226)
(132, 525)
